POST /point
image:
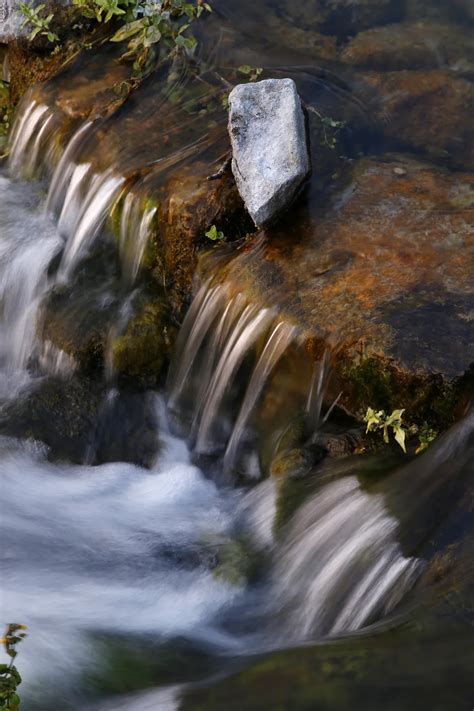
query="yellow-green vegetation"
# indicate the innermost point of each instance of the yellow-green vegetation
(153, 30)
(215, 235)
(10, 678)
(381, 422)
(252, 73)
(38, 20)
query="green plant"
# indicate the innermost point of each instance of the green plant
(331, 127)
(426, 435)
(380, 421)
(10, 678)
(252, 73)
(34, 16)
(147, 24)
(215, 235)
(103, 10)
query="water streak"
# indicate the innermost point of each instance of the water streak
(26, 249)
(84, 215)
(135, 232)
(340, 566)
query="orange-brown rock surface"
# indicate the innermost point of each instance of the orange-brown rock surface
(384, 276)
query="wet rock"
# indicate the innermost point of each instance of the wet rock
(76, 317)
(410, 45)
(188, 205)
(298, 462)
(270, 153)
(429, 111)
(141, 351)
(126, 429)
(341, 17)
(387, 283)
(61, 414)
(465, 8)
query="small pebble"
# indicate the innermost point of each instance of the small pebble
(399, 171)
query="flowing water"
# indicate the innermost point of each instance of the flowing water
(157, 587)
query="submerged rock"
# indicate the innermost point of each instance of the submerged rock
(410, 45)
(270, 151)
(429, 111)
(341, 17)
(61, 414)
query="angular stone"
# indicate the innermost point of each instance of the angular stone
(11, 21)
(269, 144)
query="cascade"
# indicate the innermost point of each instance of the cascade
(221, 332)
(26, 249)
(338, 565)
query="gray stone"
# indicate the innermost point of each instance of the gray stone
(11, 20)
(269, 145)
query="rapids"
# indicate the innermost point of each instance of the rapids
(92, 553)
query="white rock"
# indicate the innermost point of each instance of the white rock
(11, 18)
(270, 156)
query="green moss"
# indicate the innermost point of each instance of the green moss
(142, 351)
(427, 400)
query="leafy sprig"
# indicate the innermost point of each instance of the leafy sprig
(35, 17)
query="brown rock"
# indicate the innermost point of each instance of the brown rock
(387, 282)
(429, 111)
(340, 17)
(410, 45)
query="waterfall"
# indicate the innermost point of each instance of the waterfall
(222, 331)
(135, 231)
(82, 217)
(28, 133)
(340, 566)
(28, 243)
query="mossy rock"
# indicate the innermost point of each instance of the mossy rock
(142, 351)
(76, 317)
(60, 414)
(127, 429)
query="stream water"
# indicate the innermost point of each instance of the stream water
(188, 583)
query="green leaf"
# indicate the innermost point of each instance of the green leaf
(400, 435)
(187, 42)
(245, 69)
(373, 419)
(129, 30)
(215, 235)
(395, 417)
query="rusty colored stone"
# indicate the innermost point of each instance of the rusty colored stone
(410, 45)
(383, 277)
(429, 111)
